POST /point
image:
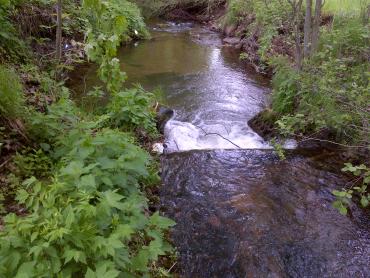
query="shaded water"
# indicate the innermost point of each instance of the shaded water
(240, 213)
(245, 213)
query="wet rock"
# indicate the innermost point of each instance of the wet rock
(229, 30)
(231, 40)
(290, 144)
(158, 148)
(164, 114)
(264, 124)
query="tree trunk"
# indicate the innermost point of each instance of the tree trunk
(307, 29)
(316, 26)
(58, 54)
(296, 22)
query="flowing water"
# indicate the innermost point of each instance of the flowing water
(240, 211)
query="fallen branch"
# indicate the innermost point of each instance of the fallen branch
(5, 162)
(215, 133)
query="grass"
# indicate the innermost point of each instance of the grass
(11, 94)
(345, 6)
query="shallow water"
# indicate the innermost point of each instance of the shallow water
(212, 94)
(240, 212)
(245, 213)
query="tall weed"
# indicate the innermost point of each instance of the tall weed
(12, 102)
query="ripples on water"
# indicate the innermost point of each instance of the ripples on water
(205, 84)
(247, 214)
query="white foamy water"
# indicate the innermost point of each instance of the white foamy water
(184, 136)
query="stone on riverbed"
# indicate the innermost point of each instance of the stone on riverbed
(231, 40)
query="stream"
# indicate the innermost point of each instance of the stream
(240, 210)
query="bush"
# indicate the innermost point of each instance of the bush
(359, 188)
(285, 84)
(237, 10)
(31, 163)
(131, 109)
(10, 44)
(12, 103)
(91, 220)
(331, 92)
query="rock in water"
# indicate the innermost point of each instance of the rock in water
(231, 40)
(157, 148)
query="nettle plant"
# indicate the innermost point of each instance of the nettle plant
(359, 188)
(91, 220)
(132, 109)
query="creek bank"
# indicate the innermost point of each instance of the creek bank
(243, 35)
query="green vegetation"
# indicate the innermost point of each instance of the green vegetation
(358, 186)
(11, 94)
(344, 6)
(90, 217)
(332, 90)
(162, 7)
(78, 178)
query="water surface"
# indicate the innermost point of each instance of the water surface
(213, 95)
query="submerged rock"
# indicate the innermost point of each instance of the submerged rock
(230, 30)
(231, 40)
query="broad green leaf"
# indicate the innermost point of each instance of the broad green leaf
(161, 222)
(113, 199)
(364, 201)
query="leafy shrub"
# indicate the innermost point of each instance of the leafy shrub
(285, 86)
(110, 23)
(331, 92)
(91, 219)
(45, 128)
(32, 163)
(11, 94)
(131, 109)
(270, 16)
(237, 10)
(10, 44)
(359, 188)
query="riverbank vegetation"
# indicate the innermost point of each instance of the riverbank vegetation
(73, 183)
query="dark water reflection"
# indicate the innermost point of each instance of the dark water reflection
(247, 214)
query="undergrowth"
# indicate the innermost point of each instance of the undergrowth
(332, 90)
(12, 101)
(81, 208)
